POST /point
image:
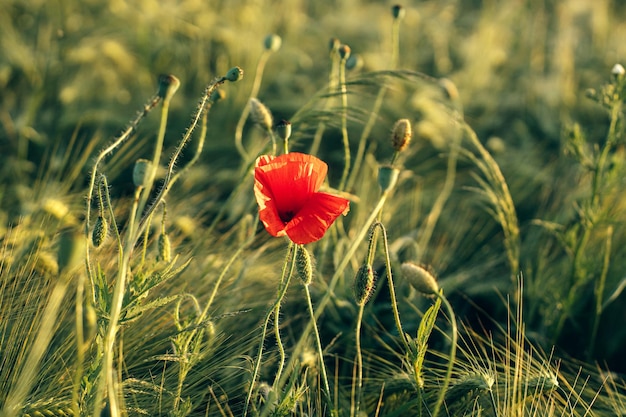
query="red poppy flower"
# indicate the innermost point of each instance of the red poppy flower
(286, 189)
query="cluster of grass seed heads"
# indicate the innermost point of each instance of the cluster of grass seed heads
(401, 135)
(261, 114)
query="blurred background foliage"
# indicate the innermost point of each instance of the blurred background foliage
(73, 72)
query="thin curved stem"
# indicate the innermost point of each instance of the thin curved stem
(452, 358)
(320, 351)
(359, 359)
(282, 289)
(344, 125)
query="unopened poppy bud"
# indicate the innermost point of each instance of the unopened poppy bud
(304, 266)
(272, 42)
(364, 284)
(234, 74)
(283, 129)
(420, 278)
(398, 11)
(141, 172)
(71, 250)
(168, 85)
(387, 177)
(165, 248)
(100, 231)
(401, 135)
(344, 52)
(618, 71)
(261, 114)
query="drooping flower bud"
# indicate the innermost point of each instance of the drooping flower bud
(304, 265)
(420, 278)
(100, 231)
(364, 284)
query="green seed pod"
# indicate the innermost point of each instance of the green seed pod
(364, 284)
(141, 172)
(401, 135)
(387, 177)
(420, 278)
(398, 12)
(283, 129)
(100, 231)
(234, 74)
(304, 265)
(165, 248)
(272, 42)
(168, 85)
(344, 52)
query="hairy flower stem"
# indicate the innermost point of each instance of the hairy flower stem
(358, 239)
(392, 291)
(256, 85)
(320, 351)
(344, 125)
(107, 382)
(577, 275)
(359, 360)
(94, 172)
(288, 268)
(599, 292)
(451, 358)
(332, 86)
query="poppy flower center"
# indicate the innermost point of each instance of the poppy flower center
(286, 216)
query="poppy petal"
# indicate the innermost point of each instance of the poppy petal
(289, 180)
(268, 214)
(312, 221)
